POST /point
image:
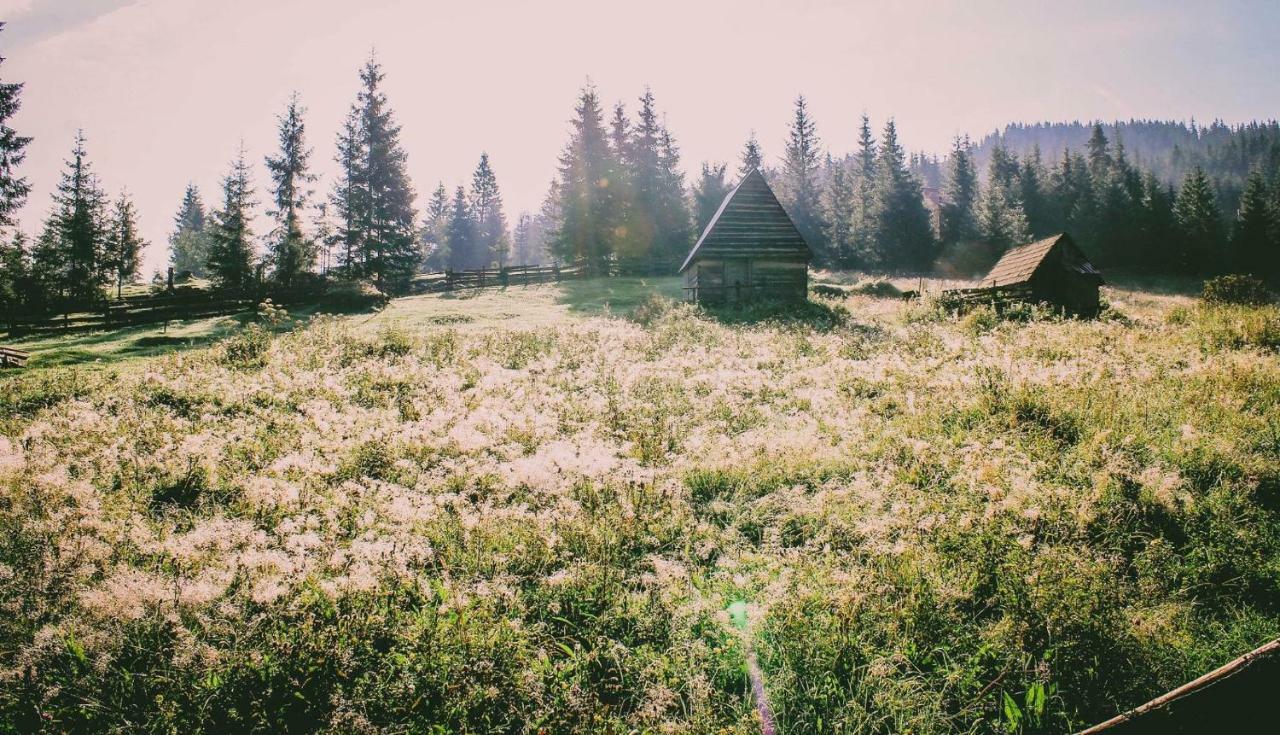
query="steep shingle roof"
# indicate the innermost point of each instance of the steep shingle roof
(1019, 264)
(750, 223)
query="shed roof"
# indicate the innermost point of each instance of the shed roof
(750, 223)
(1019, 264)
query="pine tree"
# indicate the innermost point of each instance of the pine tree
(1199, 225)
(583, 198)
(292, 251)
(15, 275)
(231, 250)
(350, 196)
(904, 234)
(800, 174)
(1099, 153)
(708, 193)
(863, 227)
(492, 244)
(461, 233)
(13, 188)
(1156, 222)
(959, 217)
(386, 218)
(522, 245)
(81, 228)
(752, 157)
(1032, 180)
(124, 245)
(674, 233)
(435, 237)
(1000, 219)
(620, 134)
(1254, 249)
(839, 216)
(189, 243)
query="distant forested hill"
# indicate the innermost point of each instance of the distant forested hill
(1168, 149)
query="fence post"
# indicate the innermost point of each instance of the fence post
(504, 279)
(555, 271)
(170, 287)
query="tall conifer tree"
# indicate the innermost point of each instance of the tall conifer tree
(904, 234)
(1253, 244)
(435, 238)
(583, 198)
(350, 196)
(189, 243)
(80, 206)
(13, 188)
(461, 233)
(492, 243)
(710, 190)
(386, 218)
(839, 216)
(1199, 225)
(231, 249)
(124, 244)
(959, 217)
(752, 157)
(292, 251)
(800, 174)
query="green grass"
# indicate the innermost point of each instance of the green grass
(504, 511)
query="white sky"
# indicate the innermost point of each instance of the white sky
(166, 89)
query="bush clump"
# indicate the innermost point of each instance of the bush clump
(358, 295)
(1238, 289)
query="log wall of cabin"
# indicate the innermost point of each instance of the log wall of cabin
(746, 279)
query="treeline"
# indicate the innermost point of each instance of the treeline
(1124, 216)
(1146, 196)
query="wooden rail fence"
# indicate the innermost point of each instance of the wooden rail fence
(187, 302)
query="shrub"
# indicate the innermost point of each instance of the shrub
(1236, 288)
(358, 295)
(248, 349)
(878, 289)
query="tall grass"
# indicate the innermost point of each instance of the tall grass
(936, 523)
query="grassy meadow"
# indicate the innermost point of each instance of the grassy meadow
(528, 510)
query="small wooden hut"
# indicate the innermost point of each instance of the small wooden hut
(751, 250)
(1053, 270)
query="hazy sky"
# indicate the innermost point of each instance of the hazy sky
(166, 89)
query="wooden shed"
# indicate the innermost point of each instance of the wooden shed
(751, 250)
(1053, 270)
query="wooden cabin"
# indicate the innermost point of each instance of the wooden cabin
(750, 251)
(1053, 270)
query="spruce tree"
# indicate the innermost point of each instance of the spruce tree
(1000, 219)
(708, 193)
(124, 244)
(1254, 249)
(231, 250)
(838, 216)
(461, 233)
(386, 216)
(189, 243)
(522, 240)
(350, 196)
(752, 157)
(1032, 182)
(435, 237)
(1099, 153)
(1156, 224)
(1199, 225)
(13, 188)
(959, 218)
(583, 200)
(800, 174)
(292, 251)
(15, 274)
(863, 227)
(81, 229)
(904, 233)
(674, 233)
(492, 243)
